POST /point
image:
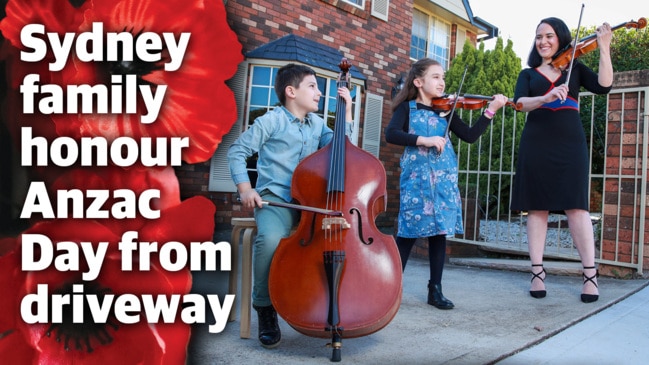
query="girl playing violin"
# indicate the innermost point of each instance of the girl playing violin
(430, 204)
(552, 167)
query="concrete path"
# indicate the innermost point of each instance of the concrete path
(494, 321)
(617, 335)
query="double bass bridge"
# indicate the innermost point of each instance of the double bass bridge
(329, 222)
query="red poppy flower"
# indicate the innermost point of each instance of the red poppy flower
(100, 343)
(197, 103)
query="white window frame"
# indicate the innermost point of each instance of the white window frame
(356, 3)
(461, 38)
(435, 37)
(328, 95)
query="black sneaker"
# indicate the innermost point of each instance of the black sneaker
(269, 333)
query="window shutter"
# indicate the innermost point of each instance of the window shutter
(372, 124)
(380, 9)
(220, 179)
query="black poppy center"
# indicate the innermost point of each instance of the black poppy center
(136, 66)
(81, 336)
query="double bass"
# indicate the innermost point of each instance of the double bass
(337, 276)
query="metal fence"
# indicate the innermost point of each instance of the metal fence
(616, 127)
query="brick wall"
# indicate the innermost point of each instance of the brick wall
(622, 200)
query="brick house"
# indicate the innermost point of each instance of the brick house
(379, 38)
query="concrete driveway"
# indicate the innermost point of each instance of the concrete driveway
(494, 318)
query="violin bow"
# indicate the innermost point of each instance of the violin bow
(574, 49)
(457, 97)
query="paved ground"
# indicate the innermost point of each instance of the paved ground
(617, 335)
(494, 321)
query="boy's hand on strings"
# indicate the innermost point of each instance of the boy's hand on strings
(346, 95)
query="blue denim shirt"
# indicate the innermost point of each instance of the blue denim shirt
(282, 141)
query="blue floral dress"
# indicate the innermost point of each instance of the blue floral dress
(430, 198)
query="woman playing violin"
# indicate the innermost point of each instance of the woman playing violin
(430, 205)
(552, 166)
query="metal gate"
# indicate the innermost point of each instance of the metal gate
(616, 127)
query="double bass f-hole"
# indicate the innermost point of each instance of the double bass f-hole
(360, 227)
(307, 241)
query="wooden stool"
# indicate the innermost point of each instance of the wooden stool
(249, 228)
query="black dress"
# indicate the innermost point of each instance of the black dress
(552, 167)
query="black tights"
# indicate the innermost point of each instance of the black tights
(436, 254)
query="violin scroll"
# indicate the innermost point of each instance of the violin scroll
(641, 23)
(344, 77)
(344, 65)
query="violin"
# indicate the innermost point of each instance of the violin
(469, 102)
(588, 44)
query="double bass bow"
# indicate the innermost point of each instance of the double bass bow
(337, 276)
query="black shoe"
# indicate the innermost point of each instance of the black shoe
(589, 298)
(437, 299)
(538, 294)
(269, 333)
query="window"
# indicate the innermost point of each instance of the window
(357, 3)
(263, 97)
(462, 37)
(262, 92)
(430, 38)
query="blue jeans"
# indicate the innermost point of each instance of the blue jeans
(273, 224)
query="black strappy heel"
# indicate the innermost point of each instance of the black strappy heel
(589, 298)
(538, 294)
